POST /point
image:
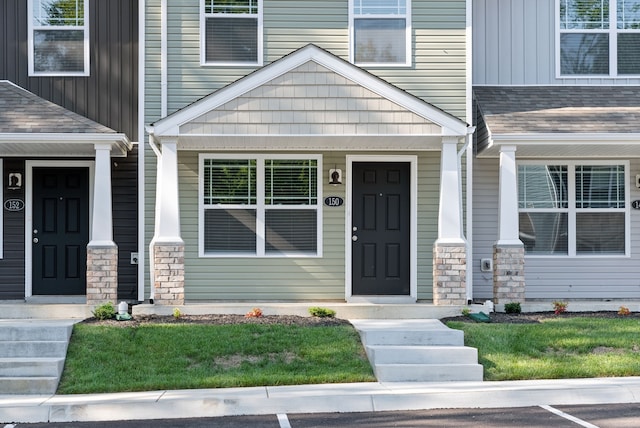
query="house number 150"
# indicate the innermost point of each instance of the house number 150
(333, 201)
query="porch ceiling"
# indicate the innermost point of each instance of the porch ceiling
(62, 145)
(311, 142)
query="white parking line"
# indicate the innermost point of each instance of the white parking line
(283, 420)
(569, 417)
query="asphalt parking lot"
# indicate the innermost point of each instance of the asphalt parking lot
(600, 416)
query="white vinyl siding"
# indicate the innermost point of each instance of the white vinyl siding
(58, 37)
(380, 32)
(514, 43)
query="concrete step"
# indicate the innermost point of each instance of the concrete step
(20, 348)
(408, 332)
(413, 354)
(29, 367)
(12, 310)
(421, 350)
(29, 385)
(28, 331)
(428, 372)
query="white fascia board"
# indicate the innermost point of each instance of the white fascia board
(567, 138)
(120, 141)
(171, 124)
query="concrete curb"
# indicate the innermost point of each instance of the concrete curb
(354, 397)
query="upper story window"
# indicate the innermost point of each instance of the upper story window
(58, 37)
(380, 32)
(599, 37)
(231, 32)
(573, 208)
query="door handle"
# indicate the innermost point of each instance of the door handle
(35, 240)
(354, 238)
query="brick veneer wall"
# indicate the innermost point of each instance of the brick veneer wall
(169, 273)
(508, 273)
(449, 274)
(102, 274)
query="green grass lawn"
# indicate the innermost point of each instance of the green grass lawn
(556, 348)
(181, 356)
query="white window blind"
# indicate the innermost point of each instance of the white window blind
(260, 206)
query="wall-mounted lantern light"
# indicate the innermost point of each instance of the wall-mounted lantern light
(335, 177)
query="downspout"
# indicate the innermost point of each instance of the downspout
(141, 147)
(156, 150)
(469, 149)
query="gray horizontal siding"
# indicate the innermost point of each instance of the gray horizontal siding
(553, 277)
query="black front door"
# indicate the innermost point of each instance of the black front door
(60, 230)
(381, 228)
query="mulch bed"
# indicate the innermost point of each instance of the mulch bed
(225, 319)
(536, 317)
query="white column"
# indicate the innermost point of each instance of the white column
(168, 212)
(450, 209)
(508, 229)
(102, 220)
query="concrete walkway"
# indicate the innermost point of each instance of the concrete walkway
(354, 397)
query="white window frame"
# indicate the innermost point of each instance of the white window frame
(353, 16)
(32, 28)
(261, 207)
(572, 210)
(203, 37)
(612, 31)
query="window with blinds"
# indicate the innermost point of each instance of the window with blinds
(599, 37)
(260, 206)
(381, 32)
(58, 37)
(232, 31)
(574, 209)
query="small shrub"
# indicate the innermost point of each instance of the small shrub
(624, 311)
(254, 313)
(559, 307)
(512, 308)
(106, 311)
(176, 313)
(322, 312)
(466, 312)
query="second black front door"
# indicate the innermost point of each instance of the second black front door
(381, 223)
(60, 230)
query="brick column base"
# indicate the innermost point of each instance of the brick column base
(168, 273)
(102, 274)
(449, 274)
(508, 273)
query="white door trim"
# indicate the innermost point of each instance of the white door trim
(28, 216)
(413, 244)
